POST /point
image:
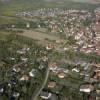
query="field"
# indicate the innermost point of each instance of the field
(3, 35)
(38, 35)
(14, 6)
(9, 9)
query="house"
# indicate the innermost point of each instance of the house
(25, 48)
(24, 59)
(41, 67)
(59, 69)
(87, 88)
(16, 69)
(82, 73)
(21, 51)
(66, 71)
(53, 66)
(13, 26)
(32, 72)
(93, 80)
(9, 85)
(1, 90)
(97, 65)
(65, 48)
(24, 78)
(45, 95)
(13, 59)
(45, 58)
(49, 46)
(51, 84)
(97, 74)
(16, 94)
(61, 75)
(75, 70)
(27, 25)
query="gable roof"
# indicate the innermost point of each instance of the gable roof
(45, 95)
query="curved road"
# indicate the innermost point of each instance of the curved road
(38, 90)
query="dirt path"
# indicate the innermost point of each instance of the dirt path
(38, 35)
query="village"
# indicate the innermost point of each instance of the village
(79, 25)
(72, 62)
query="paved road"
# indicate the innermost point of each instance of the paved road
(38, 90)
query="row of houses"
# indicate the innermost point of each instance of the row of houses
(77, 23)
(71, 24)
(89, 72)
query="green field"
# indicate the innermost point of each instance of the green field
(3, 35)
(12, 7)
(9, 9)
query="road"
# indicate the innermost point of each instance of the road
(40, 36)
(39, 89)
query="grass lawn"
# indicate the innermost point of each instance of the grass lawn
(3, 35)
(4, 20)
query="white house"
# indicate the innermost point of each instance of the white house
(45, 95)
(86, 88)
